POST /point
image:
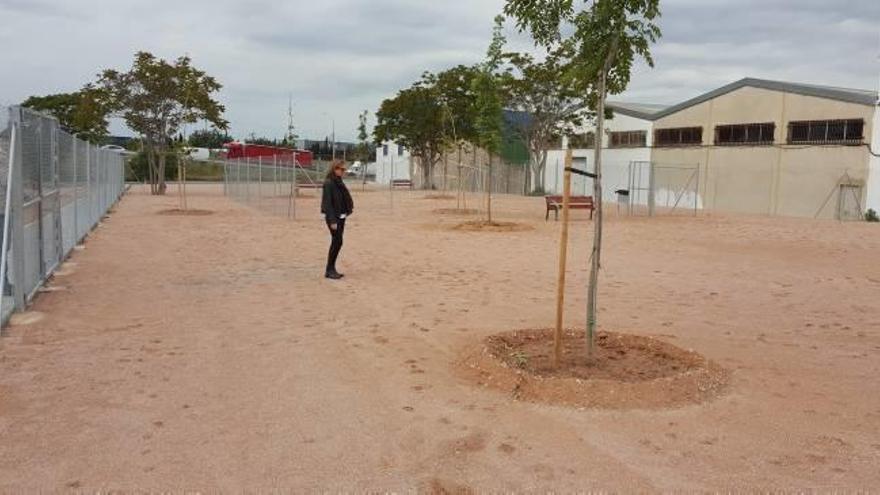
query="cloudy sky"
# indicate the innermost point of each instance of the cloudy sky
(339, 57)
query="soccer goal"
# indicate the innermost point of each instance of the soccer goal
(662, 189)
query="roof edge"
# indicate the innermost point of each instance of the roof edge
(843, 95)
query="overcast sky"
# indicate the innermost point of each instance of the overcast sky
(339, 57)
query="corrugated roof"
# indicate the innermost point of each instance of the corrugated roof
(848, 95)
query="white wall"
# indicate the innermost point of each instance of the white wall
(873, 183)
(615, 161)
(393, 163)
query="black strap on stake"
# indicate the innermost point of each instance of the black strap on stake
(580, 172)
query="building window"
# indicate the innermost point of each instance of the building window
(582, 141)
(826, 132)
(384, 150)
(729, 135)
(629, 139)
(399, 150)
(682, 136)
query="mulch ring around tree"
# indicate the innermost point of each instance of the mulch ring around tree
(456, 211)
(486, 226)
(625, 372)
(190, 212)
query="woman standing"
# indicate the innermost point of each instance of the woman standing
(336, 205)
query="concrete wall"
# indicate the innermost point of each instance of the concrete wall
(791, 180)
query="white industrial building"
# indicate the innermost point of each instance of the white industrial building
(628, 138)
(393, 161)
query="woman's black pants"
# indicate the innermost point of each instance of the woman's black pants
(335, 244)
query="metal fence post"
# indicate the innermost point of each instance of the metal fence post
(56, 179)
(75, 192)
(17, 199)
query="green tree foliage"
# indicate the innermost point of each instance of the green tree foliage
(553, 106)
(263, 141)
(605, 38)
(414, 119)
(454, 89)
(83, 112)
(210, 138)
(363, 137)
(156, 98)
(594, 31)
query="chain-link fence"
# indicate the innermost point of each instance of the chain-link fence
(269, 184)
(55, 189)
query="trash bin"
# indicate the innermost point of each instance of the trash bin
(622, 198)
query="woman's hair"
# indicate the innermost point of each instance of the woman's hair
(333, 166)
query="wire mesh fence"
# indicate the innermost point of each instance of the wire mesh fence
(269, 184)
(55, 189)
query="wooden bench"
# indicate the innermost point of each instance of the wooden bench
(405, 183)
(574, 202)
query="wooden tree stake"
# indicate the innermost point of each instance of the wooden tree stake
(563, 254)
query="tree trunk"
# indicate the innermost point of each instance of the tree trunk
(445, 169)
(151, 165)
(489, 191)
(161, 186)
(539, 178)
(596, 258)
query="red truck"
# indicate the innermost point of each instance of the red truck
(269, 154)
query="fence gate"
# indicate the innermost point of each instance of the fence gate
(849, 202)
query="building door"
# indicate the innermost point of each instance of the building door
(849, 205)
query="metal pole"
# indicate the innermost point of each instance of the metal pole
(291, 202)
(75, 200)
(7, 214)
(14, 203)
(391, 184)
(651, 196)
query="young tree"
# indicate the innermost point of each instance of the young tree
(454, 89)
(363, 150)
(606, 37)
(552, 104)
(156, 98)
(83, 112)
(488, 105)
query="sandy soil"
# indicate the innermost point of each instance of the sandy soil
(207, 352)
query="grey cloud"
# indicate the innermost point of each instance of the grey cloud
(339, 57)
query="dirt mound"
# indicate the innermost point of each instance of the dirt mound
(625, 372)
(186, 213)
(484, 226)
(456, 211)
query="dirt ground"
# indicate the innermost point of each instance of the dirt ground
(207, 352)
